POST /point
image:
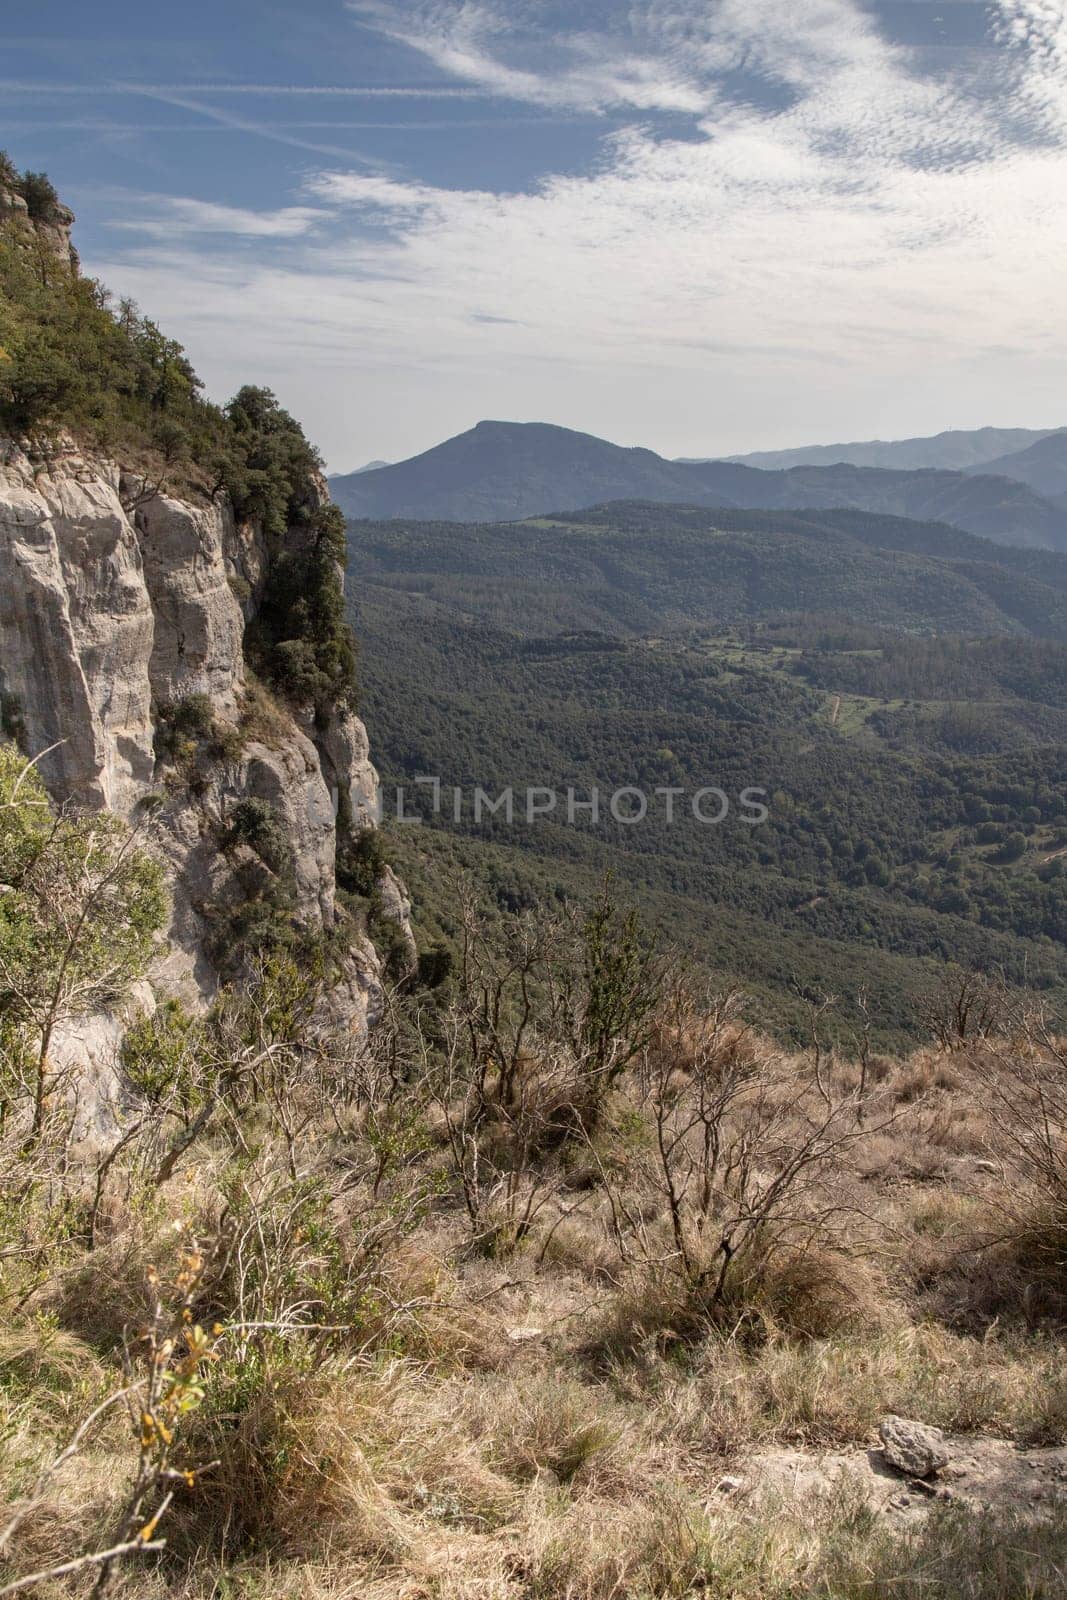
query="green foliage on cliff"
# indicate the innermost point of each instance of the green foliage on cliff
(69, 360)
(80, 906)
(36, 188)
(300, 641)
(73, 360)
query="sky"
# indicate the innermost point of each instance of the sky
(703, 226)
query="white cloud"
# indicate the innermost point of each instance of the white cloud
(170, 216)
(548, 62)
(1038, 29)
(879, 251)
(346, 188)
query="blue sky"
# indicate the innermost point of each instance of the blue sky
(700, 225)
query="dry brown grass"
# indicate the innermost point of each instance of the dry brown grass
(264, 720)
(551, 1421)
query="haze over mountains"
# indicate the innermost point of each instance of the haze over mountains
(502, 471)
(1042, 466)
(956, 449)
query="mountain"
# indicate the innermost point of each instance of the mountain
(1042, 466)
(500, 471)
(957, 450)
(637, 568)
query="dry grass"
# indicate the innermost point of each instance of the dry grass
(422, 1421)
(264, 720)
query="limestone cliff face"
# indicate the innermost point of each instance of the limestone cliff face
(50, 232)
(115, 609)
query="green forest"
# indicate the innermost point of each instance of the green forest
(916, 781)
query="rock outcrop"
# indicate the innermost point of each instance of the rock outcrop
(49, 231)
(912, 1448)
(117, 609)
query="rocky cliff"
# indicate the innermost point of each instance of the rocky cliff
(45, 227)
(122, 620)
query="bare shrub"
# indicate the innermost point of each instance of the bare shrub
(548, 1017)
(164, 1373)
(970, 1006)
(744, 1163)
(1021, 1084)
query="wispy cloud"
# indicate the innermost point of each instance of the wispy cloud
(337, 125)
(257, 126)
(531, 53)
(838, 233)
(348, 91)
(170, 216)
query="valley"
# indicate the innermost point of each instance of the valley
(915, 780)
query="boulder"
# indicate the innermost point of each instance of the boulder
(912, 1448)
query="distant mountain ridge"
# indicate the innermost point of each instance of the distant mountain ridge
(1042, 466)
(503, 472)
(957, 450)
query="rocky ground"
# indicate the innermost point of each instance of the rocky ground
(981, 1474)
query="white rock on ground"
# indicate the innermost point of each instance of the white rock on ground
(912, 1448)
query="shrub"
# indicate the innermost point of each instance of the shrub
(157, 1054)
(193, 715)
(42, 201)
(258, 825)
(435, 966)
(1021, 1085)
(300, 642)
(78, 920)
(361, 860)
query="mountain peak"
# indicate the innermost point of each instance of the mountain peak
(504, 471)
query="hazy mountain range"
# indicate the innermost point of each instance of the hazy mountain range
(503, 471)
(957, 450)
(1042, 466)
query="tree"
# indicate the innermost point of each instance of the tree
(80, 904)
(38, 191)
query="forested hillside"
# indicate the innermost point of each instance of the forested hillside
(916, 780)
(642, 568)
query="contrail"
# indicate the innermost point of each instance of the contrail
(355, 91)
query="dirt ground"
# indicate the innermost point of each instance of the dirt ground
(982, 1474)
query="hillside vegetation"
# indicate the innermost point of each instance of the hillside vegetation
(556, 1288)
(915, 784)
(639, 568)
